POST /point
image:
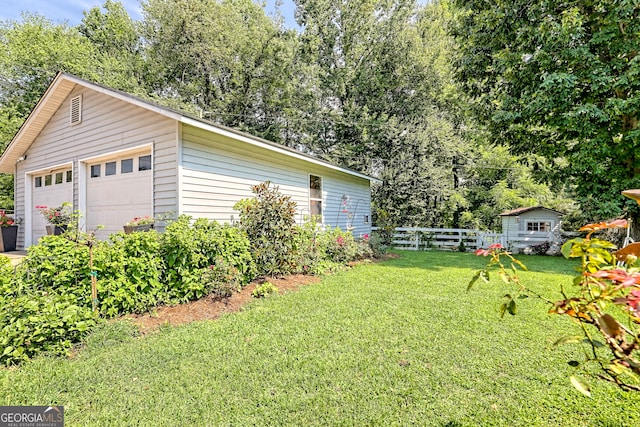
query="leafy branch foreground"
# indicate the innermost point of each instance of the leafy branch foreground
(603, 301)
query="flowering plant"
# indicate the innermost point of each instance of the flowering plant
(61, 215)
(6, 220)
(141, 220)
(604, 301)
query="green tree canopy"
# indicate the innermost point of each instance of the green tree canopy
(560, 79)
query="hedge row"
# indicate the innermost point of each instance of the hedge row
(46, 305)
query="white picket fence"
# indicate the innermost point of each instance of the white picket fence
(421, 239)
(417, 238)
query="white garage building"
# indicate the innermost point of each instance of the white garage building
(115, 157)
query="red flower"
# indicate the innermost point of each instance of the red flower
(340, 240)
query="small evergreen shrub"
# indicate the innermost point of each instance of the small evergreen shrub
(264, 290)
(269, 221)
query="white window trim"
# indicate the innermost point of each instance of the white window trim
(551, 225)
(314, 199)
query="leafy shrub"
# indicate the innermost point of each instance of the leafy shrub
(269, 221)
(221, 279)
(41, 322)
(60, 265)
(227, 242)
(187, 250)
(377, 245)
(130, 269)
(264, 290)
(307, 248)
(337, 245)
(6, 275)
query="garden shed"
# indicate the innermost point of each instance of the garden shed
(526, 227)
(115, 156)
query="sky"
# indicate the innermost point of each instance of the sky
(71, 10)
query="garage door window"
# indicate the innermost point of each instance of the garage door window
(126, 166)
(95, 171)
(47, 180)
(110, 168)
(144, 163)
(69, 176)
(38, 182)
(59, 177)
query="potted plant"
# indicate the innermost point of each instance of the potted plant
(139, 223)
(9, 227)
(58, 218)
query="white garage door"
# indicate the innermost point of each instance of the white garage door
(51, 189)
(118, 189)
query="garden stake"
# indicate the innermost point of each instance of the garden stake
(94, 278)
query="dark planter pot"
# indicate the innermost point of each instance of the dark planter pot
(56, 230)
(128, 229)
(9, 238)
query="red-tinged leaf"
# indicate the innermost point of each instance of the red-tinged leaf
(610, 326)
(581, 385)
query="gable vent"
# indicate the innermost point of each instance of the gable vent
(76, 110)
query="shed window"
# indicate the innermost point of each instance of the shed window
(144, 163)
(539, 226)
(38, 181)
(95, 171)
(315, 197)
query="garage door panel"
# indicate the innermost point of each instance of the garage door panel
(114, 200)
(51, 192)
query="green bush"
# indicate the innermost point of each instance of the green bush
(264, 290)
(221, 279)
(60, 265)
(130, 269)
(269, 221)
(187, 250)
(40, 322)
(338, 246)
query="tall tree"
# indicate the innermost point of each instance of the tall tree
(226, 57)
(381, 101)
(560, 78)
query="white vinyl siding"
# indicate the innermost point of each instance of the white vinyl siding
(217, 172)
(108, 125)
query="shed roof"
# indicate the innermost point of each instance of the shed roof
(516, 212)
(63, 84)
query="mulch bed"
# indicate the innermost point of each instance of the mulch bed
(208, 308)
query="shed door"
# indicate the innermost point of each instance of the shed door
(51, 189)
(118, 189)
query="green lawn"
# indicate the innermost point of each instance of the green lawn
(396, 343)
